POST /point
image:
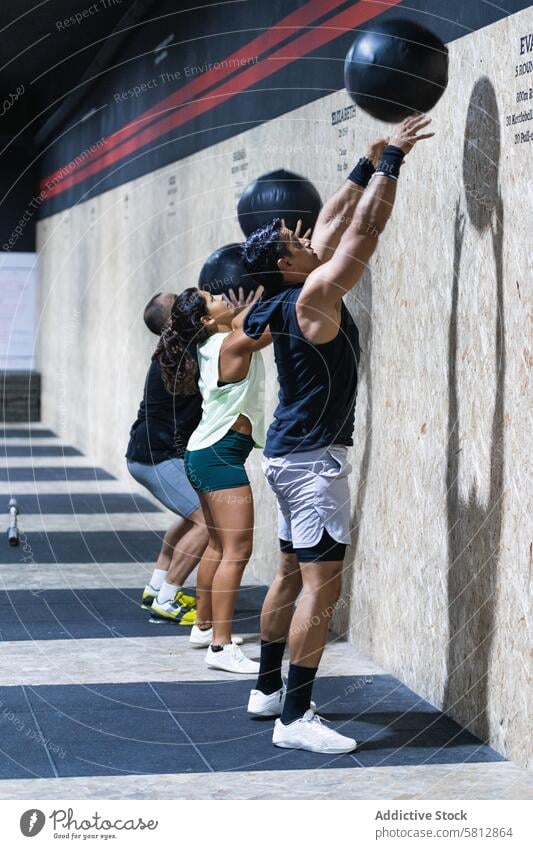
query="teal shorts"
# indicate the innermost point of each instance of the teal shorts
(221, 466)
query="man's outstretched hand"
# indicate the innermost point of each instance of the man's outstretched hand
(408, 133)
(298, 229)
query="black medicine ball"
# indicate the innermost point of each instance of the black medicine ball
(223, 270)
(397, 69)
(279, 194)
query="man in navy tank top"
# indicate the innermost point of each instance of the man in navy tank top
(316, 348)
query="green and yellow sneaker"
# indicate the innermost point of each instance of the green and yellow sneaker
(149, 596)
(187, 600)
(181, 614)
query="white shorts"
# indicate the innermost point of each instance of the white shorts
(311, 488)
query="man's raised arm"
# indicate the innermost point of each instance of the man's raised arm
(338, 212)
(325, 286)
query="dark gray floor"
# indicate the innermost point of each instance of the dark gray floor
(101, 613)
(202, 726)
(81, 502)
(39, 451)
(54, 473)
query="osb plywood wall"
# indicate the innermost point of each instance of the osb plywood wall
(436, 583)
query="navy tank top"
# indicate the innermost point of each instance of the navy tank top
(318, 383)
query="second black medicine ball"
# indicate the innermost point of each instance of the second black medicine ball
(223, 270)
(397, 69)
(279, 194)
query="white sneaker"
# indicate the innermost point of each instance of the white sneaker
(259, 704)
(309, 733)
(203, 639)
(231, 659)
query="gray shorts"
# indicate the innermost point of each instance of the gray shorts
(312, 492)
(168, 482)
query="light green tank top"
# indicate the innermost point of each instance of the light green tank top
(222, 405)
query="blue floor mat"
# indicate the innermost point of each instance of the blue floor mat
(39, 451)
(76, 731)
(100, 613)
(54, 473)
(83, 502)
(87, 547)
(181, 727)
(25, 433)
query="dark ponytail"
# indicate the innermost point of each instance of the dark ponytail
(176, 349)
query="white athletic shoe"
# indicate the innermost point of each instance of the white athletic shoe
(231, 659)
(202, 639)
(259, 704)
(309, 733)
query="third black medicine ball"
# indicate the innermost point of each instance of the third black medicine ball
(398, 68)
(223, 270)
(279, 194)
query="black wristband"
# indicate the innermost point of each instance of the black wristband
(390, 162)
(362, 172)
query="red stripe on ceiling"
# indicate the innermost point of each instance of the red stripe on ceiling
(301, 46)
(268, 39)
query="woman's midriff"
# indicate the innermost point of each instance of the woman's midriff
(242, 425)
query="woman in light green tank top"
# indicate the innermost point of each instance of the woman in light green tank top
(203, 347)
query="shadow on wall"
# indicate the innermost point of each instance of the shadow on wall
(359, 302)
(474, 530)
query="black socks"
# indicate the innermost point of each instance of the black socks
(299, 687)
(269, 678)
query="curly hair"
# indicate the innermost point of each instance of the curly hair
(176, 349)
(260, 254)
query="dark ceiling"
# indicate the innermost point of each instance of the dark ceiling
(46, 56)
(51, 54)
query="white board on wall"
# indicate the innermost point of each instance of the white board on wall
(17, 310)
